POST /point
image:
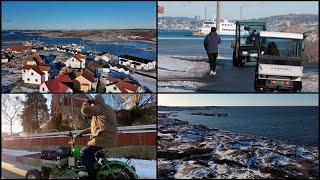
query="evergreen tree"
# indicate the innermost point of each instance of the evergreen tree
(56, 115)
(34, 113)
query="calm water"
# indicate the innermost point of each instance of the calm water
(298, 125)
(10, 38)
(178, 44)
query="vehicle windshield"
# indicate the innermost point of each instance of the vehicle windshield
(249, 34)
(280, 47)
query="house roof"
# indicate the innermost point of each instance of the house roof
(86, 73)
(93, 65)
(34, 67)
(113, 80)
(33, 57)
(59, 85)
(125, 86)
(80, 57)
(44, 67)
(122, 66)
(21, 48)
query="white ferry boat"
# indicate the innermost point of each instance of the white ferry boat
(226, 27)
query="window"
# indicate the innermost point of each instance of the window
(32, 74)
(28, 79)
(114, 88)
(43, 89)
(36, 80)
(24, 70)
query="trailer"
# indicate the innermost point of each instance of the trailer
(46, 166)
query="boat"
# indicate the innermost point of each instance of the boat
(226, 27)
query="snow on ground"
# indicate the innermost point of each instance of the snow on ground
(146, 169)
(8, 78)
(310, 82)
(13, 152)
(170, 67)
(179, 86)
(146, 81)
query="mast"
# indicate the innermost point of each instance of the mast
(218, 17)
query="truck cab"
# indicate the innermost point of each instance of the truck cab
(279, 64)
(246, 44)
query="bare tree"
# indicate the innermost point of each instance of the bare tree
(10, 109)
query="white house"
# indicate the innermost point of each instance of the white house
(106, 57)
(120, 68)
(4, 59)
(77, 61)
(33, 76)
(137, 63)
(114, 85)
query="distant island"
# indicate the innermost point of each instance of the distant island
(147, 35)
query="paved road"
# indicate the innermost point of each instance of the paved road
(237, 79)
(227, 79)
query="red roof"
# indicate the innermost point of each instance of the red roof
(124, 86)
(44, 67)
(112, 80)
(58, 85)
(21, 48)
(34, 67)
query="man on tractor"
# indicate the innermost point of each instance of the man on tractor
(103, 131)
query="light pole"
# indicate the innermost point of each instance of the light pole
(218, 17)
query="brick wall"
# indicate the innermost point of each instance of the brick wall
(124, 139)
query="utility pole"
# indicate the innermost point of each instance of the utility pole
(218, 17)
(241, 12)
(205, 13)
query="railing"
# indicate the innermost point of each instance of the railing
(124, 129)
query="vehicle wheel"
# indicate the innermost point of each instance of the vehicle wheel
(33, 174)
(45, 172)
(126, 174)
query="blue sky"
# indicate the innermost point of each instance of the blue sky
(231, 9)
(238, 99)
(78, 15)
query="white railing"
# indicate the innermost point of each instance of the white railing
(123, 129)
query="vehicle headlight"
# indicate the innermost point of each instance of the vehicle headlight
(244, 52)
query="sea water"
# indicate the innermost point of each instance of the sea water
(296, 124)
(134, 48)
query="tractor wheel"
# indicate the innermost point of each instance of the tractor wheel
(33, 174)
(45, 172)
(126, 174)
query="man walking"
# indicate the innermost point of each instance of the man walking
(210, 43)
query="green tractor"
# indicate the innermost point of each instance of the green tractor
(246, 44)
(72, 168)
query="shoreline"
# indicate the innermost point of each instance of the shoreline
(194, 148)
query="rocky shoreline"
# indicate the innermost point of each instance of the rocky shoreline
(196, 151)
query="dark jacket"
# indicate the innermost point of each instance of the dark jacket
(103, 124)
(211, 42)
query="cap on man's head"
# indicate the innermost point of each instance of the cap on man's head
(213, 29)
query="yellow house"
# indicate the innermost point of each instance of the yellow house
(85, 81)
